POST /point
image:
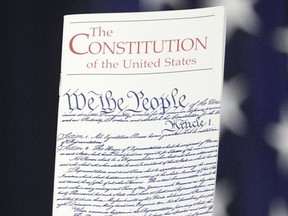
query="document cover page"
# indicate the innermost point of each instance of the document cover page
(139, 113)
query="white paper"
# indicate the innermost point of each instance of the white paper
(139, 113)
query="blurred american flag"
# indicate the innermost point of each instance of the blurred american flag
(253, 157)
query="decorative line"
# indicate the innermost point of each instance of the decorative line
(137, 74)
(149, 20)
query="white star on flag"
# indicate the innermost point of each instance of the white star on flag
(223, 198)
(277, 136)
(240, 15)
(232, 117)
(278, 208)
(280, 40)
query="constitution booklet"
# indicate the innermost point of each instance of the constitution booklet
(139, 113)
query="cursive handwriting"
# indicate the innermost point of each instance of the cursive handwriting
(157, 180)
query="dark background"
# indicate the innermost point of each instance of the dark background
(30, 61)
